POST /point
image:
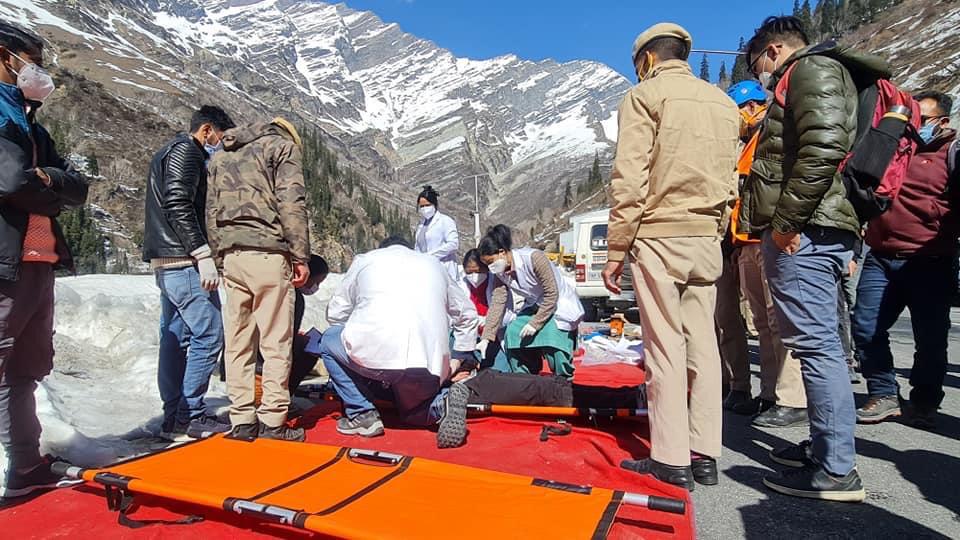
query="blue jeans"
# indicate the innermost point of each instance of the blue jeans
(415, 392)
(924, 285)
(191, 340)
(805, 294)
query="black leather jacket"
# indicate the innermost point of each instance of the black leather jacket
(175, 221)
(22, 193)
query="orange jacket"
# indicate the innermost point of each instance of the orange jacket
(743, 168)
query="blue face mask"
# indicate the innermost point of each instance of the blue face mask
(926, 132)
(213, 149)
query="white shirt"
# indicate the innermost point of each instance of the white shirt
(397, 307)
(439, 238)
(524, 283)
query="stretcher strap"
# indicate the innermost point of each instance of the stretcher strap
(610, 514)
(302, 477)
(121, 501)
(404, 465)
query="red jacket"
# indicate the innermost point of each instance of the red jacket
(924, 218)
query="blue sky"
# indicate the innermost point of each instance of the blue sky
(601, 30)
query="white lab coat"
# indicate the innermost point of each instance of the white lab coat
(439, 238)
(397, 307)
(524, 283)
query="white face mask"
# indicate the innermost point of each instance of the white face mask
(427, 212)
(34, 81)
(764, 78)
(476, 279)
(498, 267)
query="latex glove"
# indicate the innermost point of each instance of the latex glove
(209, 277)
(482, 347)
(527, 331)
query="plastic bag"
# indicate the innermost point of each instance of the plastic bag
(602, 350)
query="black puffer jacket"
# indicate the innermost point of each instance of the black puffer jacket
(22, 193)
(794, 179)
(175, 200)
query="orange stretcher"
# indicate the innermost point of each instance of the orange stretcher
(354, 493)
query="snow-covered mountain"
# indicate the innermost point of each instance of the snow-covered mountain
(399, 108)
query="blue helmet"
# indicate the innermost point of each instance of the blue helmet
(746, 91)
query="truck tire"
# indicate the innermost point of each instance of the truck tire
(591, 313)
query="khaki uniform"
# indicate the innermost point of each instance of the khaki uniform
(780, 379)
(673, 187)
(258, 227)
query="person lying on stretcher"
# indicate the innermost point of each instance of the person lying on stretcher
(389, 339)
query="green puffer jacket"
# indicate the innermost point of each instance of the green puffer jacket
(794, 179)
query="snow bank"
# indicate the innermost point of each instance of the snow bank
(101, 402)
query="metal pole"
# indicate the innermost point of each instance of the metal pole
(476, 211)
(709, 51)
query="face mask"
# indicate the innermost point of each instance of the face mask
(213, 148)
(642, 74)
(427, 212)
(764, 78)
(927, 132)
(498, 267)
(34, 81)
(476, 279)
(310, 290)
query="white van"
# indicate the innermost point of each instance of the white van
(589, 236)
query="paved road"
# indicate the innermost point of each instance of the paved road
(912, 476)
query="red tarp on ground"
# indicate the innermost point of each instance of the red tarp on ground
(588, 456)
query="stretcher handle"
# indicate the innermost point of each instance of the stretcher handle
(62, 468)
(661, 504)
(373, 455)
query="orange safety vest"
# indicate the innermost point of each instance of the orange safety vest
(743, 168)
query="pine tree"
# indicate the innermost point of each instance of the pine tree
(828, 16)
(93, 166)
(567, 195)
(796, 8)
(740, 65)
(723, 81)
(705, 68)
(806, 17)
(595, 171)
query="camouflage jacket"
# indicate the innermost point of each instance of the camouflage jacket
(256, 195)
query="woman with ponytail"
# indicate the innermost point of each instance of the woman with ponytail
(551, 314)
(437, 233)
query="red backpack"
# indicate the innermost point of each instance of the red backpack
(887, 122)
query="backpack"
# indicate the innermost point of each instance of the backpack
(887, 123)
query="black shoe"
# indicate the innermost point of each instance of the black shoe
(704, 470)
(244, 432)
(36, 479)
(923, 417)
(797, 455)
(174, 431)
(779, 416)
(879, 408)
(736, 398)
(671, 474)
(755, 406)
(813, 482)
(453, 426)
(206, 426)
(283, 433)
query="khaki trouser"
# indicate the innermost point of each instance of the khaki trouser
(674, 279)
(731, 332)
(780, 378)
(258, 315)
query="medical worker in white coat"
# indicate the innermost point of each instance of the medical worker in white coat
(390, 339)
(437, 233)
(549, 320)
